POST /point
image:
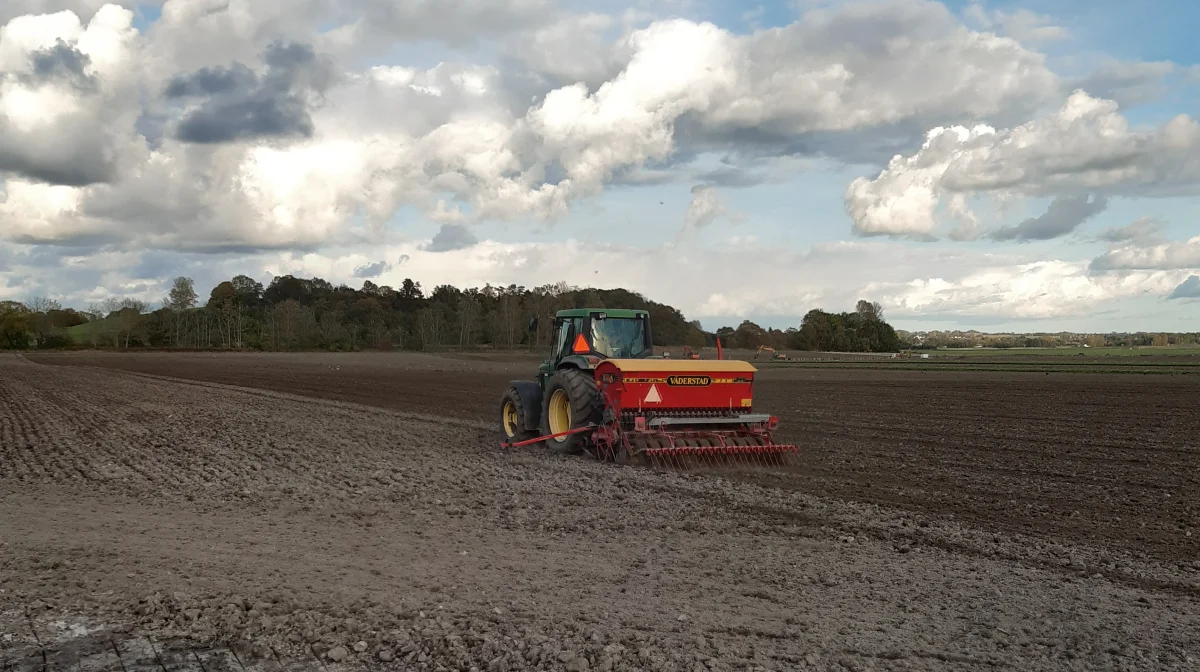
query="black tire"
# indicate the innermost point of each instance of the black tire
(512, 399)
(586, 408)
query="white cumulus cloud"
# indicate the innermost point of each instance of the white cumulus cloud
(1038, 291)
(304, 136)
(1087, 146)
(1167, 256)
(454, 138)
(705, 208)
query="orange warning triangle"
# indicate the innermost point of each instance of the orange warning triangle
(581, 346)
(653, 397)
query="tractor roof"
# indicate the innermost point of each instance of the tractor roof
(618, 313)
(683, 365)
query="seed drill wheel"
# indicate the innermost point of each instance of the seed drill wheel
(572, 401)
(512, 417)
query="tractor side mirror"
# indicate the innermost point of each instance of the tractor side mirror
(533, 324)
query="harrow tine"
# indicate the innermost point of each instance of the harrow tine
(715, 454)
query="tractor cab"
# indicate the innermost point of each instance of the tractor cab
(585, 336)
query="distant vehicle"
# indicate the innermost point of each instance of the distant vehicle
(774, 355)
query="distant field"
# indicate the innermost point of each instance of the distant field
(1112, 360)
(81, 333)
(1089, 367)
(1148, 360)
(1146, 351)
(958, 353)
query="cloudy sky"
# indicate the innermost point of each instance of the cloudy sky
(966, 164)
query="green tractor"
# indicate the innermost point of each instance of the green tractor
(564, 395)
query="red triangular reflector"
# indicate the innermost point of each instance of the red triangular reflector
(581, 345)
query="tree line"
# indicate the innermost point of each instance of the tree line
(861, 330)
(931, 340)
(292, 313)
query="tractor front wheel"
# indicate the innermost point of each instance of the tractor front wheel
(571, 402)
(512, 417)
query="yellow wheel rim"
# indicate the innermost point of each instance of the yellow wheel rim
(560, 414)
(510, 419)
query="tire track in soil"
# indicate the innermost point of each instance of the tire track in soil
(110, 444)
(27, 433)
(119, 652)
(94, 426)
(65, 449)
(154, 460)
(282, 457)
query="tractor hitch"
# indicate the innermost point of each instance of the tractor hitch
(527, 442)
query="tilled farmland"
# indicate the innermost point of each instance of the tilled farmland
(327, 512)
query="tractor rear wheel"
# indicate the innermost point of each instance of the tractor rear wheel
(512, 417)
(571, 402)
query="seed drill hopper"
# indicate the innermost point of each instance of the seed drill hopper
(604, 393)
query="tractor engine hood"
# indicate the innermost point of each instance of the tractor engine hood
(673, 386)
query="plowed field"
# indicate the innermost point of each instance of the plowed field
(333, 512)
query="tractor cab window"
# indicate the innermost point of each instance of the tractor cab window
(567, 329)
(619, 338)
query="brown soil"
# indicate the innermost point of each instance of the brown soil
(1109, 459)
(375, 511)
